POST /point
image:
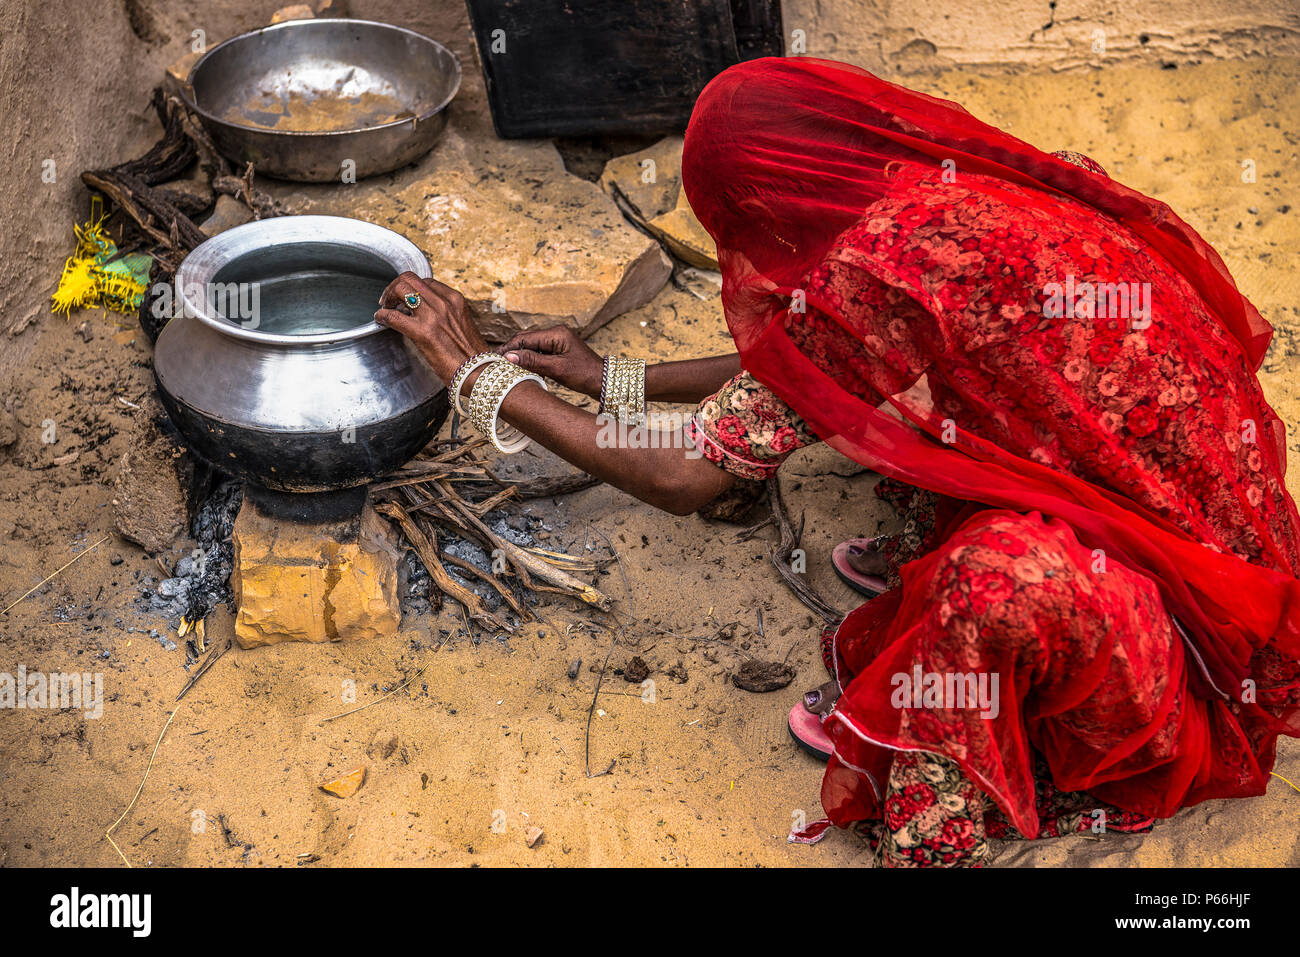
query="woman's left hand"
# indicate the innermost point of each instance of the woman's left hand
(440, 326)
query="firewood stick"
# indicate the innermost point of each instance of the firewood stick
(534, 565)
(460, 516)
(446, 584)
(501, 588)
(549, 487)
(129, 197)
(571, 562)
(506, 595)
(488, 504)
(456, 450)
(489, 542)
(402, 478)
(419, 468)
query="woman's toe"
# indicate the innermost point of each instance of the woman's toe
(820, 700)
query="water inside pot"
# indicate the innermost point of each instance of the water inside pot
(300, 289)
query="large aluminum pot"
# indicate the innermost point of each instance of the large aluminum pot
(302, 99)
(274, 368)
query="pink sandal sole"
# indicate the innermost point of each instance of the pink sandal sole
(869, 585)
(807, 731)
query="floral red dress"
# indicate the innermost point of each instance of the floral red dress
(746, 430)
(1107, 614)
(932, 814)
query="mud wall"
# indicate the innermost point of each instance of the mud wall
(902, 36)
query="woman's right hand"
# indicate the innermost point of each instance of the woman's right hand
(559, 354)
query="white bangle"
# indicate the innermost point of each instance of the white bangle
(463, 373)
(489, 392)
(522, 442)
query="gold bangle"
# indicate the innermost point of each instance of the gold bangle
(623, 390)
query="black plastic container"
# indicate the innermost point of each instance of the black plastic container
(597, 67)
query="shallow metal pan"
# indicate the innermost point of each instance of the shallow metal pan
(312, 100)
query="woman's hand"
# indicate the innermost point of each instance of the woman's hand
(559, 354)
(440, 326)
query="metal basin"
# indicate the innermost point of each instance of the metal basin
(274, 368)
(303, 98)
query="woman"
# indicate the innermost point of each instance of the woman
(1098, 623)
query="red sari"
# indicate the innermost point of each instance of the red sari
(879, 244)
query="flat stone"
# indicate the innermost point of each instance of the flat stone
(227, 214)
(685, 238)
(528, 244)
(328, 581)
(645, 184)
(151, 489)
(296, 11)
(703, 284)
(347, 785)
(178, 74)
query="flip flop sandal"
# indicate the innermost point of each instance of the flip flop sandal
(807, 731)
(869, 585)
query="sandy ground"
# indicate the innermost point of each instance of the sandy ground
(490, 733)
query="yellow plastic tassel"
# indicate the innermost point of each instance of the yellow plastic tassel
(77, 286)
(89, 278)
(120, 293)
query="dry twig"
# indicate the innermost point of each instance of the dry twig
(363, 707)
(550, 486)
(54, 573)
(780, 555)
(208, 662)
(138, 791)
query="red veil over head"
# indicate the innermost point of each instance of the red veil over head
(783, 155)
